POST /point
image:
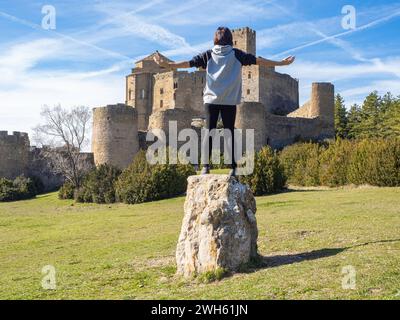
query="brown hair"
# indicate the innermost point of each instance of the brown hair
(223, 37)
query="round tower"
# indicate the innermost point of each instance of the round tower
(115, 138)
(251, 115)
(322, 106)
(322, 101)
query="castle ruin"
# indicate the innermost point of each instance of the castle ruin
(270, 105)
(155, 96)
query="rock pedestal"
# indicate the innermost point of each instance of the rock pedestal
(219, 228)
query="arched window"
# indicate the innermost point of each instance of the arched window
(161, 104)
(142, 94)
(248, 91)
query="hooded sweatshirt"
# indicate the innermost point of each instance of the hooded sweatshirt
(224, 73)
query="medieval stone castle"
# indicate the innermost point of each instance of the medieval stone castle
(155, 96)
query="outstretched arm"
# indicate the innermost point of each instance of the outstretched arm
(270, 63)
(171, 65)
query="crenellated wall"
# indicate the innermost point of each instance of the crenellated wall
(18, 158)
(14, 154)
(245, 39)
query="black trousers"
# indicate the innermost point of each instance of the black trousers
(228, 115)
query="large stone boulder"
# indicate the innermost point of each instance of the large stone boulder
(219, 228)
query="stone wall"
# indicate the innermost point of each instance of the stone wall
(251, 115)
(139, 94)
(18, 158)
(179, 89)
(251, 83)
(162, 118)
(115, 135)
(278, 92)
(14, 154)
(282, 131)
(163, 92)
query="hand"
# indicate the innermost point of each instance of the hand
(288, 60)
(160, 61)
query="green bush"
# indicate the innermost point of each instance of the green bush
(142, 182)
(20, 189)
(7, 190)
(370, 161)
(99, 185)
(334, 163)
(375, 162)
(301, 163)
(66, 191)
(268, 175)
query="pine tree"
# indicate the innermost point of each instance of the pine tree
(340, 117)
(370, 116)
(391, 117)
(353, 121)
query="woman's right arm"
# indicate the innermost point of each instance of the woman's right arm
(171, 65)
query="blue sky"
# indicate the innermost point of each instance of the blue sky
(84, 61)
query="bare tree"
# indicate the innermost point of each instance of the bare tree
(63, 136)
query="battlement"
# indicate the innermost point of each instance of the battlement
(245, 39)
(16, 137)
(245, 30)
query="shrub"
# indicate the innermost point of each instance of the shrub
(334, 163)
(370, 161)
(301, 163)
(142, 182)
(7, 190)
(375, 162)
(19, 189)
(99, 185)
(66, 191)
(268, 175)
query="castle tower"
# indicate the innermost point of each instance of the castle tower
(115, 135)
(322, 101)
(322, 105)
(251, 115)
(14, 154)
(139, 88)
(245, 39)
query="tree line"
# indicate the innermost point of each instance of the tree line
(377, 117)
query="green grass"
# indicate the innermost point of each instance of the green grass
(127, 252)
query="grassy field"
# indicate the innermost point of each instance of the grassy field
(127, 252)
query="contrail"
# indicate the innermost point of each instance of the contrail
(338, 35)
(89, 45)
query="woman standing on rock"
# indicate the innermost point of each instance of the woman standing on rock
(223, 91)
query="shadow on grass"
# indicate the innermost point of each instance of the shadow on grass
(264, 262)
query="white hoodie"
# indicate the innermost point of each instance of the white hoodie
(224, 73)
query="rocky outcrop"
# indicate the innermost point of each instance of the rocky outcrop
(219, 228)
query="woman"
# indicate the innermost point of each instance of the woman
(223, 89)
